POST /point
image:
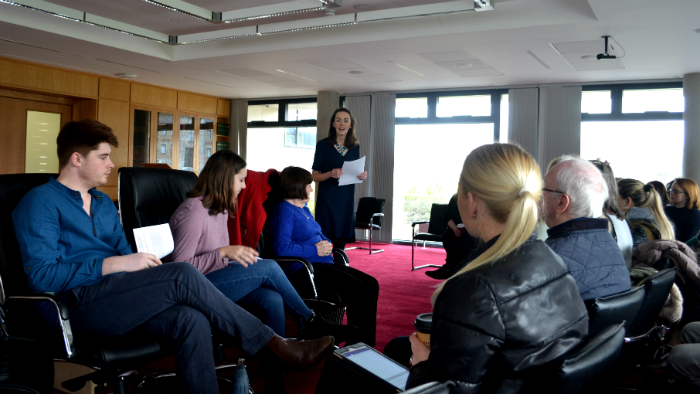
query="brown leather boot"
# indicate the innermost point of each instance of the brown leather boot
(301, 354)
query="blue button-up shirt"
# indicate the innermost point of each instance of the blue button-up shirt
(62, 246)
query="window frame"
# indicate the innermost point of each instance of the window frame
(616, 113)
(432, 117)
(282, 114)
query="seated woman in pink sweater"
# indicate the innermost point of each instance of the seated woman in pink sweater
(200, 231)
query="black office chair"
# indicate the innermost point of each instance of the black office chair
(110, 357)
(433, 388)
(614, 309)
(657, 288)
(589, 363)
(150, 196)
(370, 211)
(436, 226)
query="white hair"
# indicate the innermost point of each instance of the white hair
(585, 186)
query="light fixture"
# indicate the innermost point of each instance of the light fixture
(127, 76)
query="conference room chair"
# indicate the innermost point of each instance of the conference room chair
(368, 217)
(614, 309)
(109, 357)
(657, 288)
(436, 226)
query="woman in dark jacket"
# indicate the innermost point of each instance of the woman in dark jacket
(513, 308)
(684, 210)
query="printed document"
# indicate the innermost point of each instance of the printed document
(157, 240)
(351, 169)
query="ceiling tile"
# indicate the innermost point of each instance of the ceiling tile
(243, 72)
(446, 56)
(376, 78)
(336, 65)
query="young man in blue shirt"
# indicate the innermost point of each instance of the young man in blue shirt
(73, 244)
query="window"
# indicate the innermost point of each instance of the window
(208, 153)
(186, 157)
(637, 128)
(209, 134)
(412, 107)
(263, 113)
(503, 135)
(449, 106)
(163, 149)
(300, 137)
(165, 136)
(301, 111)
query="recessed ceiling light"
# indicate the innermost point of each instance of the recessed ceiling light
(462, 65)
(355, 72)
(364, 7)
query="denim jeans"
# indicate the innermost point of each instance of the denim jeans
(262, 285)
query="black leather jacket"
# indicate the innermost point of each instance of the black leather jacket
(496, 321)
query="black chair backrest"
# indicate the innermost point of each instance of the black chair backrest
(12, 189)
(368, 206)
(438, 219)
(590, 361)
(606, 311)
(657, 288)
(150, 196)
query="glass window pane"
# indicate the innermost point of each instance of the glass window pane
(266, 149)
(301, 111)
(206, 127)
(412, 107)
(263, 113)
(649, 100)
(623, 144)
(596, 102)
(417, 186)
(463, 106)
(504, 119)
(186, 153)
(300, 137)
(165, 136)
(142, 136)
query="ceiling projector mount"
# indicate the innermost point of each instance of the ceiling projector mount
(606, 55)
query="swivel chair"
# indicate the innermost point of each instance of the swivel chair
(370, 211)
(112, 358)
(436, 226)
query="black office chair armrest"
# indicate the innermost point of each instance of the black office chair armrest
(378, 214)
(62, 316)
(309, 289)
(419, 222)
(342, 257)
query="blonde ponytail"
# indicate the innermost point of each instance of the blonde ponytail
(645, 196)
(508, 181)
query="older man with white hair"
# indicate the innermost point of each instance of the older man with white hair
(573, 196)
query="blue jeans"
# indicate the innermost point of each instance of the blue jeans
(262, 285)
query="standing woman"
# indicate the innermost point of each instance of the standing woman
(335, 206)
(684, 209)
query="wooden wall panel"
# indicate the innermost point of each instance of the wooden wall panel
(115, 89)
(196, 103)
(47, 79)
(115, 114)
(223, 108)
(85, 109)
(151, 95)
(13, 130)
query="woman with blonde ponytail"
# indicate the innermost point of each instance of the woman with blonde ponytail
(645, 211)
(516, 302)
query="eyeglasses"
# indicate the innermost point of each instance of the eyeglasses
(553, 191)
(675, 191)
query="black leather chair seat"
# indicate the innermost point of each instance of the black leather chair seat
(428, 237)
(115, 352)
(367, 226)
(25, 367)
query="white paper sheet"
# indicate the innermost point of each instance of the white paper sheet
(351, 169)
(157, 240)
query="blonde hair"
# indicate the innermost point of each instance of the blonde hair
(645, 196)
(508, 181)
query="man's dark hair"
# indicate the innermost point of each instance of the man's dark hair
(293, 182)
(82, 137)
(216, 181)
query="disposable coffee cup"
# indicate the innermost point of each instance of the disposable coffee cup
(424, 324)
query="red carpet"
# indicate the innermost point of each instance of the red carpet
(403, 293)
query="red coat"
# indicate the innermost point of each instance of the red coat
(245, 228)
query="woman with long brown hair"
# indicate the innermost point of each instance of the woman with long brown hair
(200, 231)
(335, 205)
(645, 211)
(684, 210)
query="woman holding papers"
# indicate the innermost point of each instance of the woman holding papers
(335, 206)
(200, 231)
(295, 233)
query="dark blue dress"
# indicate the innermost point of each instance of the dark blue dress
(335, 207)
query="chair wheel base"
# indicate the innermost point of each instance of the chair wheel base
(425, 266)
(371, 250)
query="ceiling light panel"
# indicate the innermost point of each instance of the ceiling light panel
(271, 10)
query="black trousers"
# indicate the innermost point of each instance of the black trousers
(456, 248)
(353, 288)
(176, 304)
